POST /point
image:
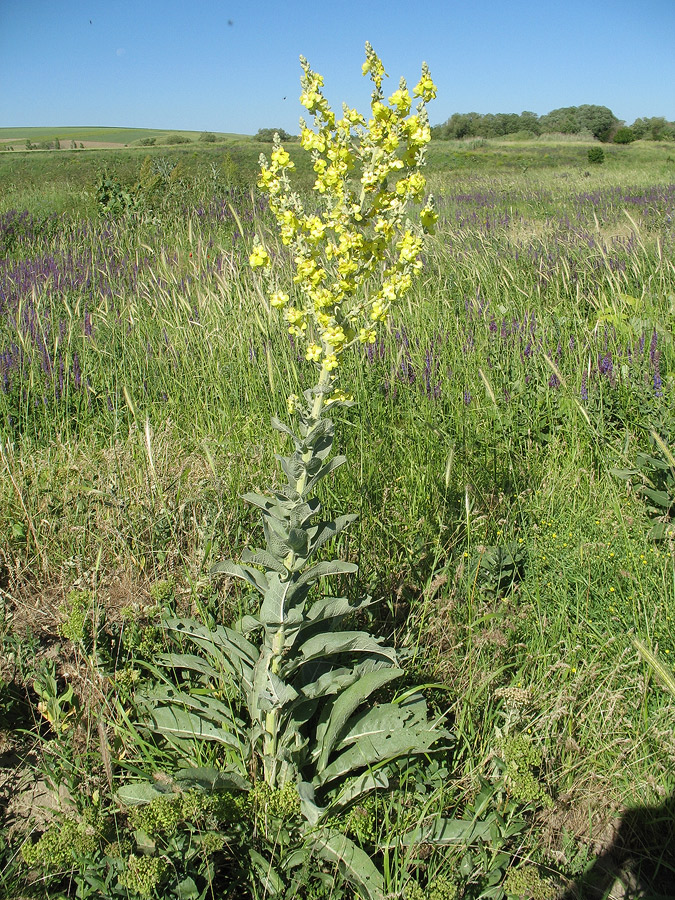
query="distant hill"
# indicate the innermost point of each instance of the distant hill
(93, 136)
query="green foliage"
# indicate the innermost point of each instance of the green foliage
(176, 139)
(653, 479)
(113, 198)
(496, 570)
(60, 847)
(75, 615)
(596, 155)
(266, 135)
(207, 137)
(525, 883)
(147, 142)
(521, 759)
(624, 135)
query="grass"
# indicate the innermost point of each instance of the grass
(139, 369)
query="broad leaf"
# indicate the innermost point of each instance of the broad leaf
(347, 702)
(182, 724)
(255, 578)
(445, 831)
(353, 863)
(328, 567)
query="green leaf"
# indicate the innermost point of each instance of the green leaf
(273, 609)
(326, 531)
(207, 706)
(353, 863)
(271, 880)
(348, 701)
(187, 889)
(182, 724)
(210, 779)
(661, 530)
(445, 831)
(331, 643)
(254, 577)
(259, 557)
(141, 792)
(356, 787)
(661, 498)
(322, 569)
(392, 738)
(278, 425)
(330, 466)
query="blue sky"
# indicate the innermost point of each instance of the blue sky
(232, 65)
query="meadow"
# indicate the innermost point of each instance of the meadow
(509, 458)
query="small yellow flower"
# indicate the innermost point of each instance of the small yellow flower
(259, 256)
(367, 335)
(278, 299)
(313, 353)
(330, 362)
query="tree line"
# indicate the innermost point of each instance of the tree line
(597, 122)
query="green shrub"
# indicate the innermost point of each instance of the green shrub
(596, 155)
(624, 136)
(176, 139)
(207, 137)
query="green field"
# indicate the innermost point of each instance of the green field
(125, 136)
(510, 459)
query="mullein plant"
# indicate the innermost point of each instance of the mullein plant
(297, 705)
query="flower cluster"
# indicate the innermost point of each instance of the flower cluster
(356, 255)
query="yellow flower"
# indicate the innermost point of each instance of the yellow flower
(339, 397)
(401, 100)
(313, 353)
(367, 335)
(281, 158)
(330, 362)
(259, 256)
(278, 299)
(425, 88)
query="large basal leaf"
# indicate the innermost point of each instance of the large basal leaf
(353, 863)
(271, 880)
(362, 784)
(336, 679)
(209, 779)
(225, 645)
(347, 702)
(388, 734)
(445, 831)
(180, 723)
(142, 792)
(206, 706)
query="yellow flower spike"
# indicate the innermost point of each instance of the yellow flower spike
(425, 88)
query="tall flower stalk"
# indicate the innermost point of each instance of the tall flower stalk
(301, 718)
